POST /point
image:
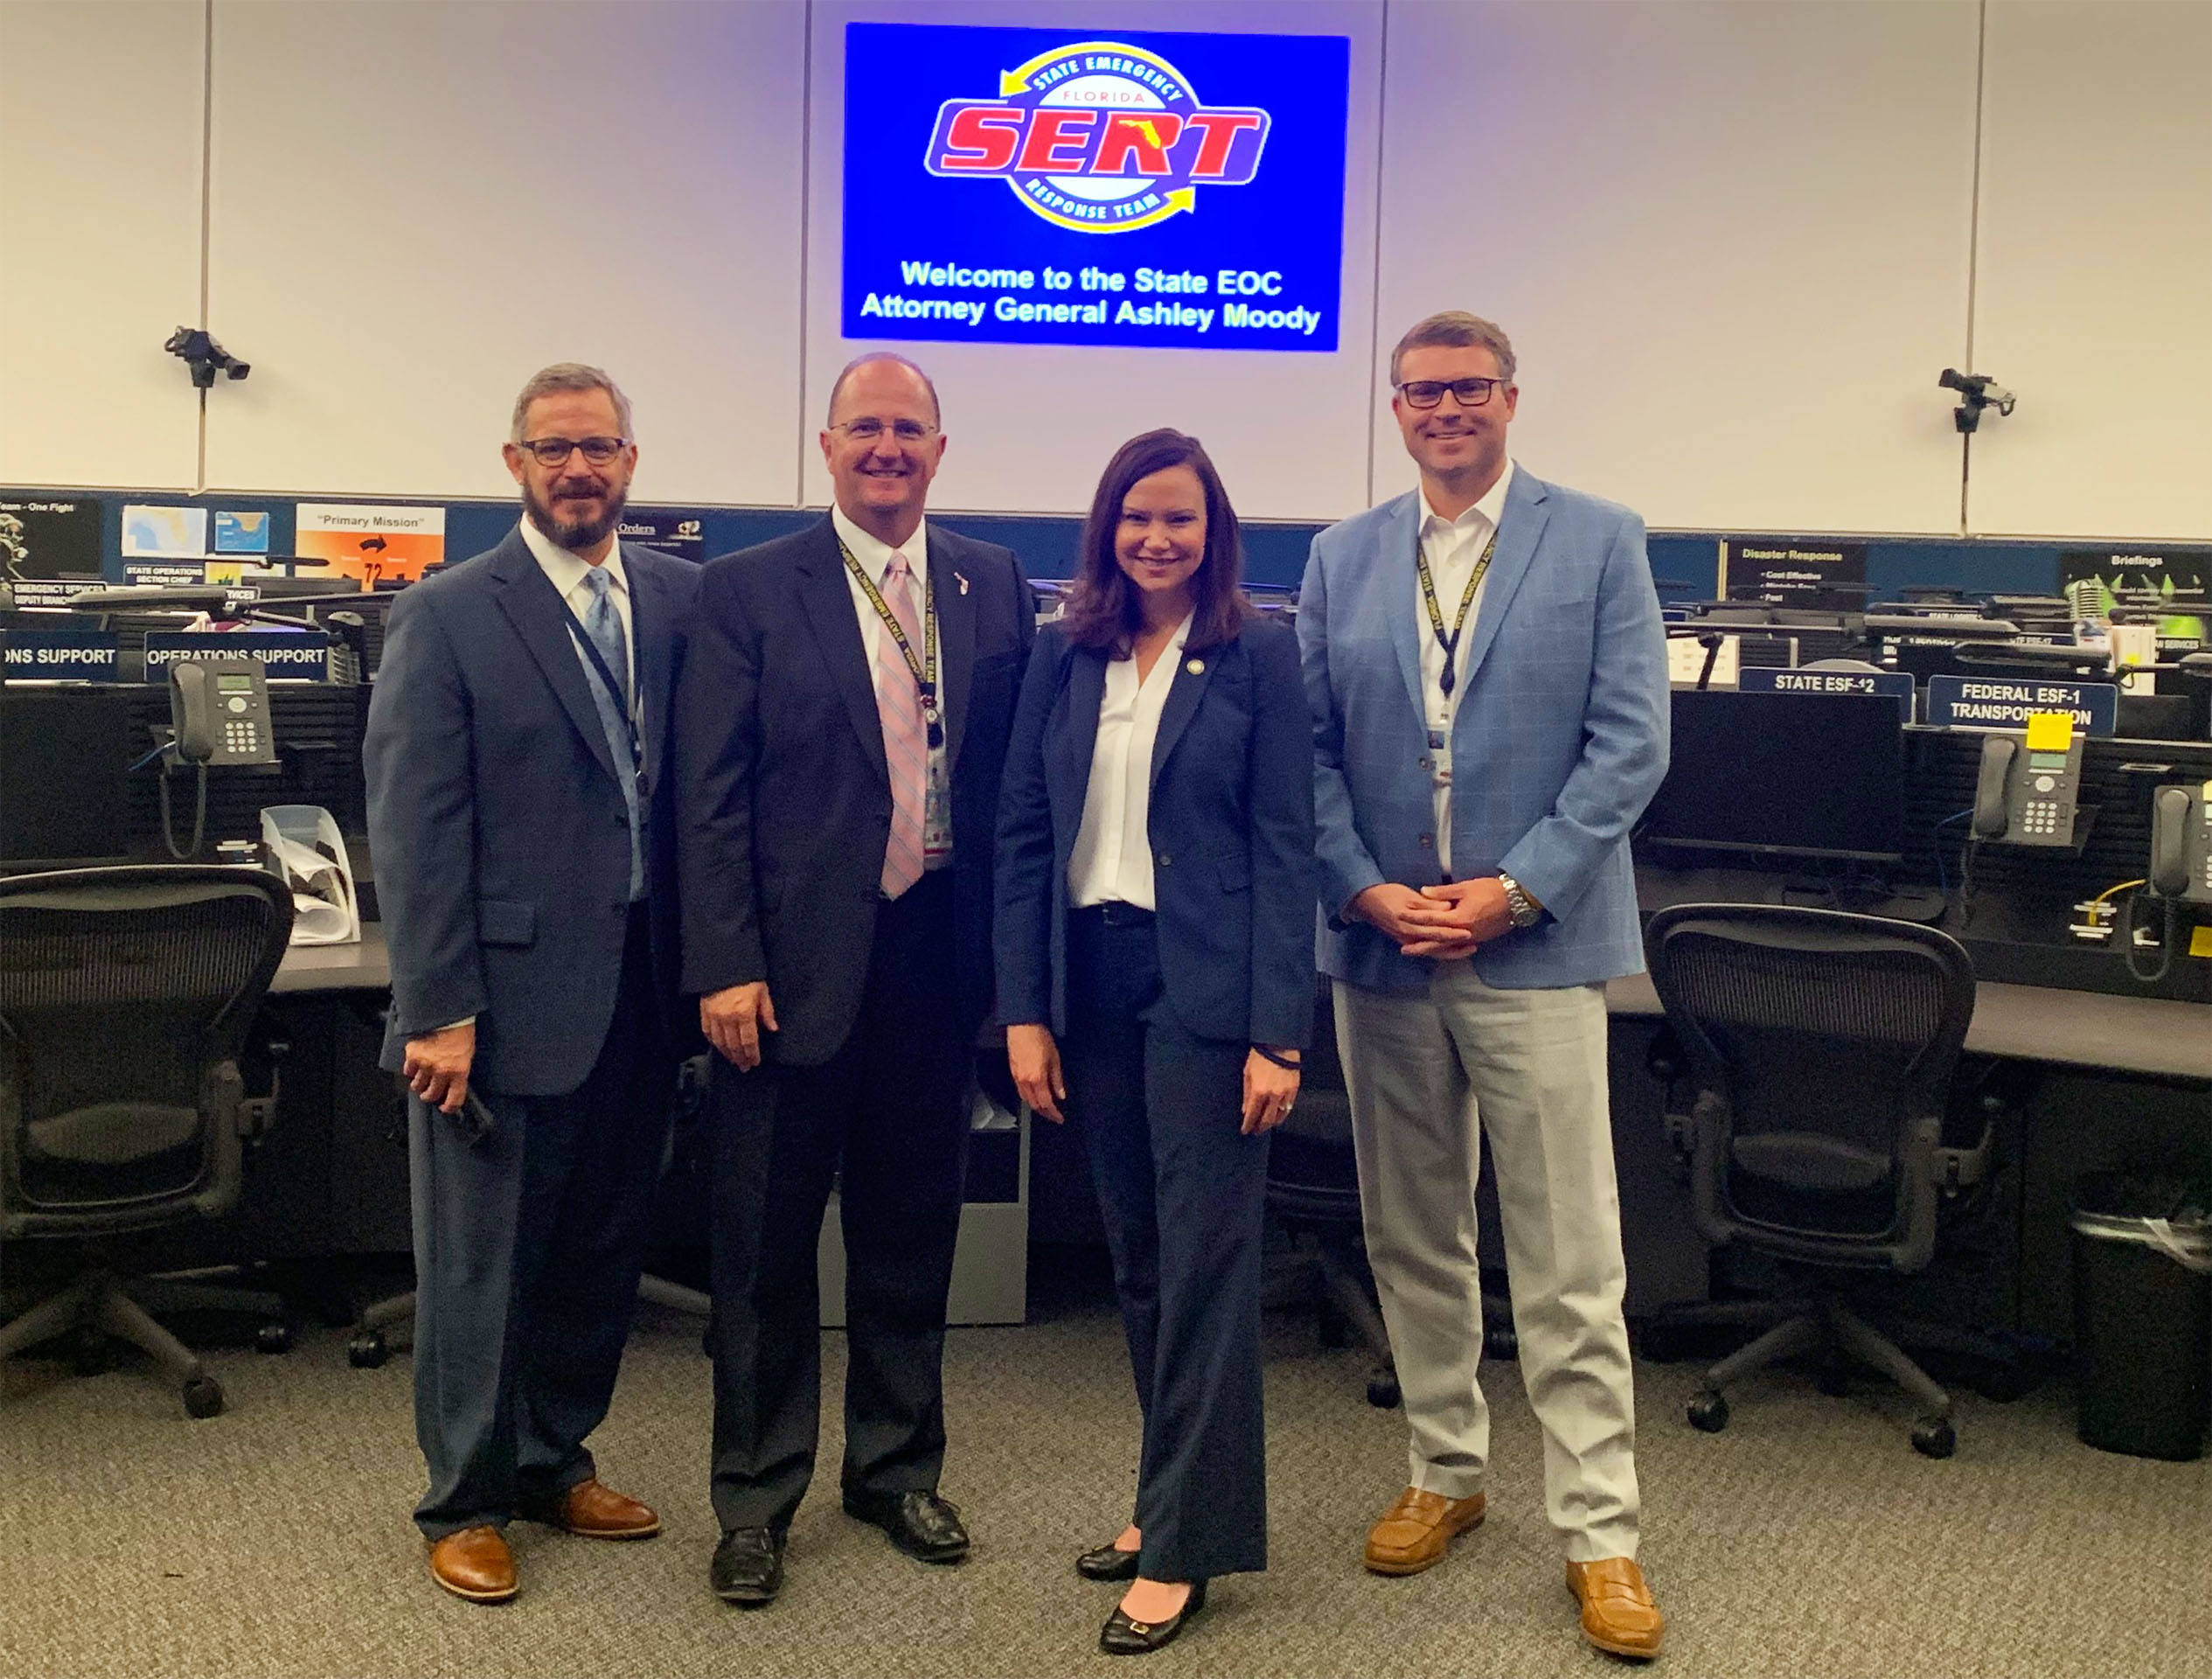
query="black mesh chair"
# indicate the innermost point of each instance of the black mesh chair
(1821, 1049)
(1313, 1196)
(126, 998)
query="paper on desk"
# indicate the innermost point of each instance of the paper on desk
(301, 844)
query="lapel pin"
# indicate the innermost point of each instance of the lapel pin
(1196, 668)
(963, 581)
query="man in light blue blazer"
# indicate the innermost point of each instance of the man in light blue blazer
(1487, 672)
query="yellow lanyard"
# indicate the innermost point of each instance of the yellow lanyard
(925, 675)
(1450, 643)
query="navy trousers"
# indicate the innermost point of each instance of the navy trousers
(881, 1121)
(1183, 1193)
(528, 1244)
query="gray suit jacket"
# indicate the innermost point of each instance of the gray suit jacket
(496, 820)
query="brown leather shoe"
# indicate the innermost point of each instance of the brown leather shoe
(592, 1511)
(475, 1563)
(1415, 1531)
(1618, 1615)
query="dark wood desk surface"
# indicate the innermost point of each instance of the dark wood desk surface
(364, 966)
(2072, 1029)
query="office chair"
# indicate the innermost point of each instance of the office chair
(126, 999)
(1820, 1048)
(1313, 1191)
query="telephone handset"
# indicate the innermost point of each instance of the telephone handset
(220, 709)
(2181, 844)
(2026, 792)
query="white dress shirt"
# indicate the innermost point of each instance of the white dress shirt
(568, 572)
(1451, 547)
(1112, 860)
(874, 556)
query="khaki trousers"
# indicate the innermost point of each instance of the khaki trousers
(1528, 1068)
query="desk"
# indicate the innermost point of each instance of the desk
(364, 966)
(2145, 1035)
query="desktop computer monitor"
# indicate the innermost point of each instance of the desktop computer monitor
(1783, 775)
(65, 794)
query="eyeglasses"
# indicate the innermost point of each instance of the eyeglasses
(1468, 393)
(555, 452)
(869, 430)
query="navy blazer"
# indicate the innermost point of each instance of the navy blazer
(498, 827)
(1231, 824)
(785, 801)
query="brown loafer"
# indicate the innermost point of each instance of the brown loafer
(475, 1563)
(1618, 1615)
(1415, 1532)
(594, 1511)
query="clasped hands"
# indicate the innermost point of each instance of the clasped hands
(1033, 1058)
(1445, 922)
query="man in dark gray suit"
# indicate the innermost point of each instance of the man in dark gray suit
(520, 818)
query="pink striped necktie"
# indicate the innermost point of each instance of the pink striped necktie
(906, 746)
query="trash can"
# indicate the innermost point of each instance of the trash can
(2143, 1315)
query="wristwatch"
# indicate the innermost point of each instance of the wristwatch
(1524, 911)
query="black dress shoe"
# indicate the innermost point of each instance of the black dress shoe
(921, 1524)
(1121, 1636)
(1108, 1563)
(747, 1566)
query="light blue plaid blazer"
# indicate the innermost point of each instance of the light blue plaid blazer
(1561, 738)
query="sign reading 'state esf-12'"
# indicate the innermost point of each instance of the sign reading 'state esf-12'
(1067, 186)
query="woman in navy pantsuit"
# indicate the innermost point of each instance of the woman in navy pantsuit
(1155, 953)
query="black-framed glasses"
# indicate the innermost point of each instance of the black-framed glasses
(1467, 393)
(868, 430)
(555, 452)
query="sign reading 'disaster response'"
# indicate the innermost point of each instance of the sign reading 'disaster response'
(1063, 187)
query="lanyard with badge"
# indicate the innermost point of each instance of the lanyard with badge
(925, 674)
(598, 661)
(1450, 643)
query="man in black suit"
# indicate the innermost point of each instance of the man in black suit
(522, 829)
(845, 710)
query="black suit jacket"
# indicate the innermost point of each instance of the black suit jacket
(1230, 819)
(497, 821)
(785, 799)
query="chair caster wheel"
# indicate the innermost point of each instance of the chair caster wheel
(367, 1351)
(89, 1350)
(1382, 1391)
(1934, 1437)
(272, 1338)
(1503, 1345)
(203, 1397)
(1708, 1412)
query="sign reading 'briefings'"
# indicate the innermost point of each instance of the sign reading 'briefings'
(1056, 186)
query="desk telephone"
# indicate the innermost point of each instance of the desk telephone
(2026, 792)
(220, 709)
(2181, 844)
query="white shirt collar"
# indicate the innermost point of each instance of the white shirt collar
(874, 554)
(566, 569)
(1491, 508)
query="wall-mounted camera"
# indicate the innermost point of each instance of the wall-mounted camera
(1980, 392)
(198, 350)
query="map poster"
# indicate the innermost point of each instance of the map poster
(165, 533)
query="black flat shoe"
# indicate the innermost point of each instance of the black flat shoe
(1121, 1636)
(921, 1525)
(1108, 1563)
(747, 1566)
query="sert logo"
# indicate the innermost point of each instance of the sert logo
(1099, 136)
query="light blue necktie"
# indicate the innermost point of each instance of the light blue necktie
(604, 625)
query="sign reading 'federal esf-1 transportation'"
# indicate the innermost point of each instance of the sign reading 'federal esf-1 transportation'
(1061, 186)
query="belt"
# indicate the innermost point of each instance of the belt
(1114, 913)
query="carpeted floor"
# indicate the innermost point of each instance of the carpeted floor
(1808, 1539)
